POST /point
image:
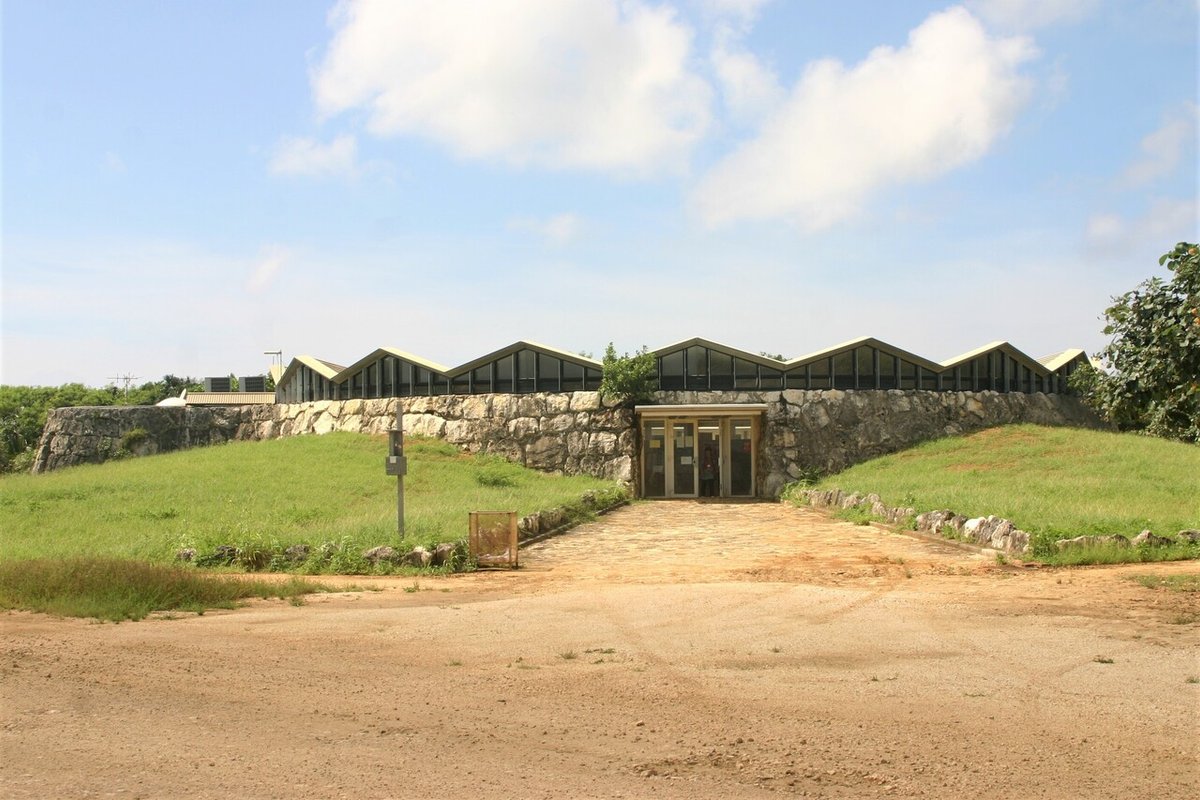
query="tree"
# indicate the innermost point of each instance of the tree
(1151, 380)
(628, 378)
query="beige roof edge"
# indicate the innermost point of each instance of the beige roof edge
(398, 353)
(709, 343)
(323, 368)
(987, 348)
(907, 355)
(1058, 360)
(525, 344)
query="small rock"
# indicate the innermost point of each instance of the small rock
(1147, 538)
(418, 557)
(442, 554)
(297, 553)
(1190, 536)
(381, 553)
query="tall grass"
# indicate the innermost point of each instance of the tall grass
(117, 589)
(316, 490)
(1053, 482)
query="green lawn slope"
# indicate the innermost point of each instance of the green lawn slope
(317, 490)
(1053, 482)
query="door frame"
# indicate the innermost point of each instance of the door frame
(723, 414)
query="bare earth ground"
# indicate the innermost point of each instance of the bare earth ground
(672, 649)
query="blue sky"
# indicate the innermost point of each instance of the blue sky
(187, 185)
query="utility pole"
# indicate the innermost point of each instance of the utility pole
(126, 379)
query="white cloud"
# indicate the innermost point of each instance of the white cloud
(264, 271)
(558, 229)
(1161, 150)
(1028, 15)
(308, 157)
(593, 84)
(748, 87)
(1166, 222)
(900, 115)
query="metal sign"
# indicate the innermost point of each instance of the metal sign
(397, 464)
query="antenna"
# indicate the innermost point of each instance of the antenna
(276, 357)
(126, 379)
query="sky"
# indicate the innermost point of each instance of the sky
(189, 185)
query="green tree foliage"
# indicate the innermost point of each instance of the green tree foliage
(1152, 380)
(23, 410)
(628, 378)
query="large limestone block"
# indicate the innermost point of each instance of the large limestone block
(424, 425)
(523, 427)
(558, 423)
(476, 407)
(585, 401)
(558, 403)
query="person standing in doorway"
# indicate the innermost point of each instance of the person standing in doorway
(708, 474)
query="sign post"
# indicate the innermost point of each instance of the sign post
(397, 464)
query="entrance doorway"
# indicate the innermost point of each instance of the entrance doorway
(699, 455)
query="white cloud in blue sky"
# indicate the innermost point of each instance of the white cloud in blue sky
(188, 185)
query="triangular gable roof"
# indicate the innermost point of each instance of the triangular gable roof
(867, 341)
(379, 353)
(1060, 360)
(1029, 360)
(724, 348)
(524, 344)
(325, 369)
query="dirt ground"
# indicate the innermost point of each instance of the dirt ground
(672, 649)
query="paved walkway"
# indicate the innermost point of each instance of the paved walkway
(692, 540)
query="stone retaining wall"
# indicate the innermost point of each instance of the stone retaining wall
(803, 432)
(573, 433)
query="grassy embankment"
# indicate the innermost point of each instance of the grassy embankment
(328, 492)
(1055, 483)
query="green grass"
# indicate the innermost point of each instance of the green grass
(329, 492)
(117, 589)
(1175, 583)
(1055, 483)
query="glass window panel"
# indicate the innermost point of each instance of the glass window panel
(547, 373)
(797, 378)
(887, 371)
(386, 384)
(420, 381)
(745, 374)
(843, 370)
(526, 371)
(572, 377)
(461, 384)
(372, 371)
(908, 375)
(404, 385)
(720, 367)
(769, 378)
(504, 375)
(670, 370)
(865, 356)
(440, 384)
(481, 379)
(819, 374)
(697, 368)
(592, 379)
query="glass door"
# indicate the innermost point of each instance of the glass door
(708, 454)
(683, 459)
(741, 458)
(654, 459)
